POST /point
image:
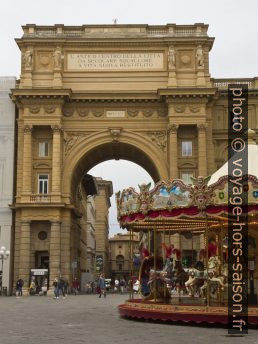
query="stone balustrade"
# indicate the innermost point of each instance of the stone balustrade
(40, 198)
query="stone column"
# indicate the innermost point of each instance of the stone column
(24, 259)
(27, 160)
(202, 150)
(55, 251)
(56, 161)
(173, 162)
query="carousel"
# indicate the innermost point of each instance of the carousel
(181, 264)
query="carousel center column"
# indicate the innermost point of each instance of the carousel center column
(27, 163)
(56, 164)
(55, 252)
(202, 150)
(24, 261)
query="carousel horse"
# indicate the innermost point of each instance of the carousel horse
(196, 279)
(216, 281)
(180, 277)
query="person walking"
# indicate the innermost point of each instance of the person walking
(56, 289)
(116, 289)
(102, 286)
(61, 287)
(19, 286)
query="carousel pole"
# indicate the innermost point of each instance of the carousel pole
(207, 261)
(132, 272)
(155, 265)
(192, 249)
(131, 277)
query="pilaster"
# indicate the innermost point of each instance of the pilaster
(202, 150)
(56, 164)
(27, 163)
(55, 251)
(173, 158)
(24, 259)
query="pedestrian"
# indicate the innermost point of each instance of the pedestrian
(122, 285)
(76, 286)
(61, 287)
(102, 286)
(19, 286)
(32, 289)
(116, 289)
(56, 290)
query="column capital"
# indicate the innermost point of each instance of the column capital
(202, 126)
(172, 128)
(25, 222)
(27, 128)
(55, 222)
(56, 128)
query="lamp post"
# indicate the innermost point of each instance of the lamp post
(4, 254)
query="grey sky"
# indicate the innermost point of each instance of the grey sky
(123, 174)
(233, 23)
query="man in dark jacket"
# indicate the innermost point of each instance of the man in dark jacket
(19, 286)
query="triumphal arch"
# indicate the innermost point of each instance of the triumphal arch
(96, 92)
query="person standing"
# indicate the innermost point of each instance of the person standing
(76, 286)
(122, 285)
(19, 286)
(102, 286)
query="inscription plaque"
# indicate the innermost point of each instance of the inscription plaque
(115, 61)
(115, 113)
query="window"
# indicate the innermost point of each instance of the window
(43, 149)
(187, 148)
(186, 177)
(120, 267)
(43, 184)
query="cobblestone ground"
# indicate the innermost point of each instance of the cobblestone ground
(88, 319)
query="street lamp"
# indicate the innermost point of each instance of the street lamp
(4, 254)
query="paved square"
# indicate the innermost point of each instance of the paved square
(88, 319)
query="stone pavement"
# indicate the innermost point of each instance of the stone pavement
(90, 320)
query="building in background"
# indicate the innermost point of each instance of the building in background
(7, 132)
(102, 204)
(91, 237)
(120, 250)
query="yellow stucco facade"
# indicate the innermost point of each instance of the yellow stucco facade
(97, 92)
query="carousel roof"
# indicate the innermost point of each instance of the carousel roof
(252, 160)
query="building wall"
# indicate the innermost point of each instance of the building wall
(120, 253)
(7, 130)
(91, 239)
(102, 204)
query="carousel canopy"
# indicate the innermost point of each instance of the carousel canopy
(252, 160)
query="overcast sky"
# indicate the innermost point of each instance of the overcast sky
(233, 23)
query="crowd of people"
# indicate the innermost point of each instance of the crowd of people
(62, 288)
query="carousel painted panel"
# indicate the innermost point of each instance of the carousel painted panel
(128, 201)
(170, 195)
